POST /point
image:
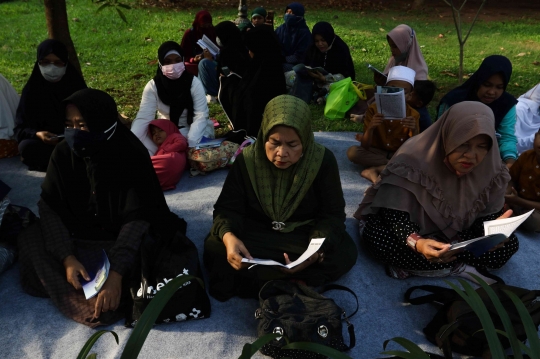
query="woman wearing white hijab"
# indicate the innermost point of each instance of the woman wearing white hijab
(527, 118)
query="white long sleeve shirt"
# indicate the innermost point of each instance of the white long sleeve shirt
(151, 103)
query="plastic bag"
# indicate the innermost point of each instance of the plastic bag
(342, 96)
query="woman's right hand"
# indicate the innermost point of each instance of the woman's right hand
(73, 269)
(47, 137)
(435, 251)
(235, 251)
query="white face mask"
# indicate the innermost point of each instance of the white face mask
(218, 42)
(173, 71)
(52, 73)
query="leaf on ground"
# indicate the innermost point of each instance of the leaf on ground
(149, 39)
(153, 62)
(536, 63)
(441, 36)
(521, 54)
(516, 84)
(449, 73)
(88, 64)
(364, 50)
(76, 19)
(381, 29)
(393, 18)
(502, 48)
(137, 76)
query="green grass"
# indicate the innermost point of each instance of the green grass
(115, 56)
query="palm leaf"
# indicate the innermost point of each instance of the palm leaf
(415, 352)
(92, 340)
(528, 324)
(250, 349)
(102, 7)
(122, 16)
(473, 299)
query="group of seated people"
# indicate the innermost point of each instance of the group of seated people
(432, 185)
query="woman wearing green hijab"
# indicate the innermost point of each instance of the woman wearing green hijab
(281, 192)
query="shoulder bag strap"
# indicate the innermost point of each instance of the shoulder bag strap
(438, 294)
(350, 326)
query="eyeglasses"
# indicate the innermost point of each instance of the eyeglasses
(55, 63)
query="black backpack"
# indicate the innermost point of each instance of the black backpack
(469, 338)
(302, 315)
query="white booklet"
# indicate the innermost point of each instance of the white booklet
(98, 271)
(496, 231)
(206, 44)
(391, 102)
(313, 247)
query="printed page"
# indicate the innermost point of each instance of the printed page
(390, 103)
(206, 142)
(206, 44)
(313, 247)
(505, 226)
(98, 272)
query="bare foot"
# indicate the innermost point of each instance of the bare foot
(370, 174)
(357, 118)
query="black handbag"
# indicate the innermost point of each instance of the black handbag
(302, 315)
(161, 262)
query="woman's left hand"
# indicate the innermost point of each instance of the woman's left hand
(315, 258)
(316, 75)
(109, 295)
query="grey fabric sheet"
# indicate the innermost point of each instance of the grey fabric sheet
(33, 328)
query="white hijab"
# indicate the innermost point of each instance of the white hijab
(527, 118)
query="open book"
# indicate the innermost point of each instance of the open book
(206, 44)
(496, 231)
(313, 247)
(98, 270)
(374, 69)
(391, 102)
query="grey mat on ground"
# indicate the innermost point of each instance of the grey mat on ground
(33, 328)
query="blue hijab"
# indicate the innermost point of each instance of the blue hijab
(294, 35)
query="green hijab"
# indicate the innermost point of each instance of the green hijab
(280, 191)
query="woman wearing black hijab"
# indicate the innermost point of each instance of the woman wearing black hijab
(100, 193)
(233, 54)
(40, 116)
(488, 85)
(262, 81)
(329, 52)
(176, 95)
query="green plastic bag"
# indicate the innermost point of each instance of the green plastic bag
(341, 98)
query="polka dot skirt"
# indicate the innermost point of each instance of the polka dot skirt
(386, 233)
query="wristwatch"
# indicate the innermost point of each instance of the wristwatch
(412, 239)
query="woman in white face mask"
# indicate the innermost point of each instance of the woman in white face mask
(40, 116)
(176, 95)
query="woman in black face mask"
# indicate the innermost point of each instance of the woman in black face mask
(39, 122)
(100, 193)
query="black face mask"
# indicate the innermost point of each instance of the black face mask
(86, 143)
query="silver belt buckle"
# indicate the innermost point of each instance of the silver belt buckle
(278, 226)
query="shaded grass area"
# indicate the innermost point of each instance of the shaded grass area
(119, 58)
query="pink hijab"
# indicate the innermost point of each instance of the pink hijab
(405, 39)
(417, 180)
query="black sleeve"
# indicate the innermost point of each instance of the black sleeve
(477, 228)
(123, 253)
(57, 239)
(399, 223)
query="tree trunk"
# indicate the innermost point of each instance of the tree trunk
(418, 4)
(58, 28)
(461, 48)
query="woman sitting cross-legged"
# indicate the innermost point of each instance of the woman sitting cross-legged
(440, 187)
(281, 192)
(39, 122)
(176, 95)
(100, 193)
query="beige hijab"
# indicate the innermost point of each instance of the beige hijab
(405, 39)
(417, 180)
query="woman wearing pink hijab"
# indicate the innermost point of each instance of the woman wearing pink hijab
(405, 52)
(170, 158)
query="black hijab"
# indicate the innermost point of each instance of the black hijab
(97, 195)
(338, 59)
(233, 54)
(175, 93)
(263, 79)
(40, 106)
(494, 64)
